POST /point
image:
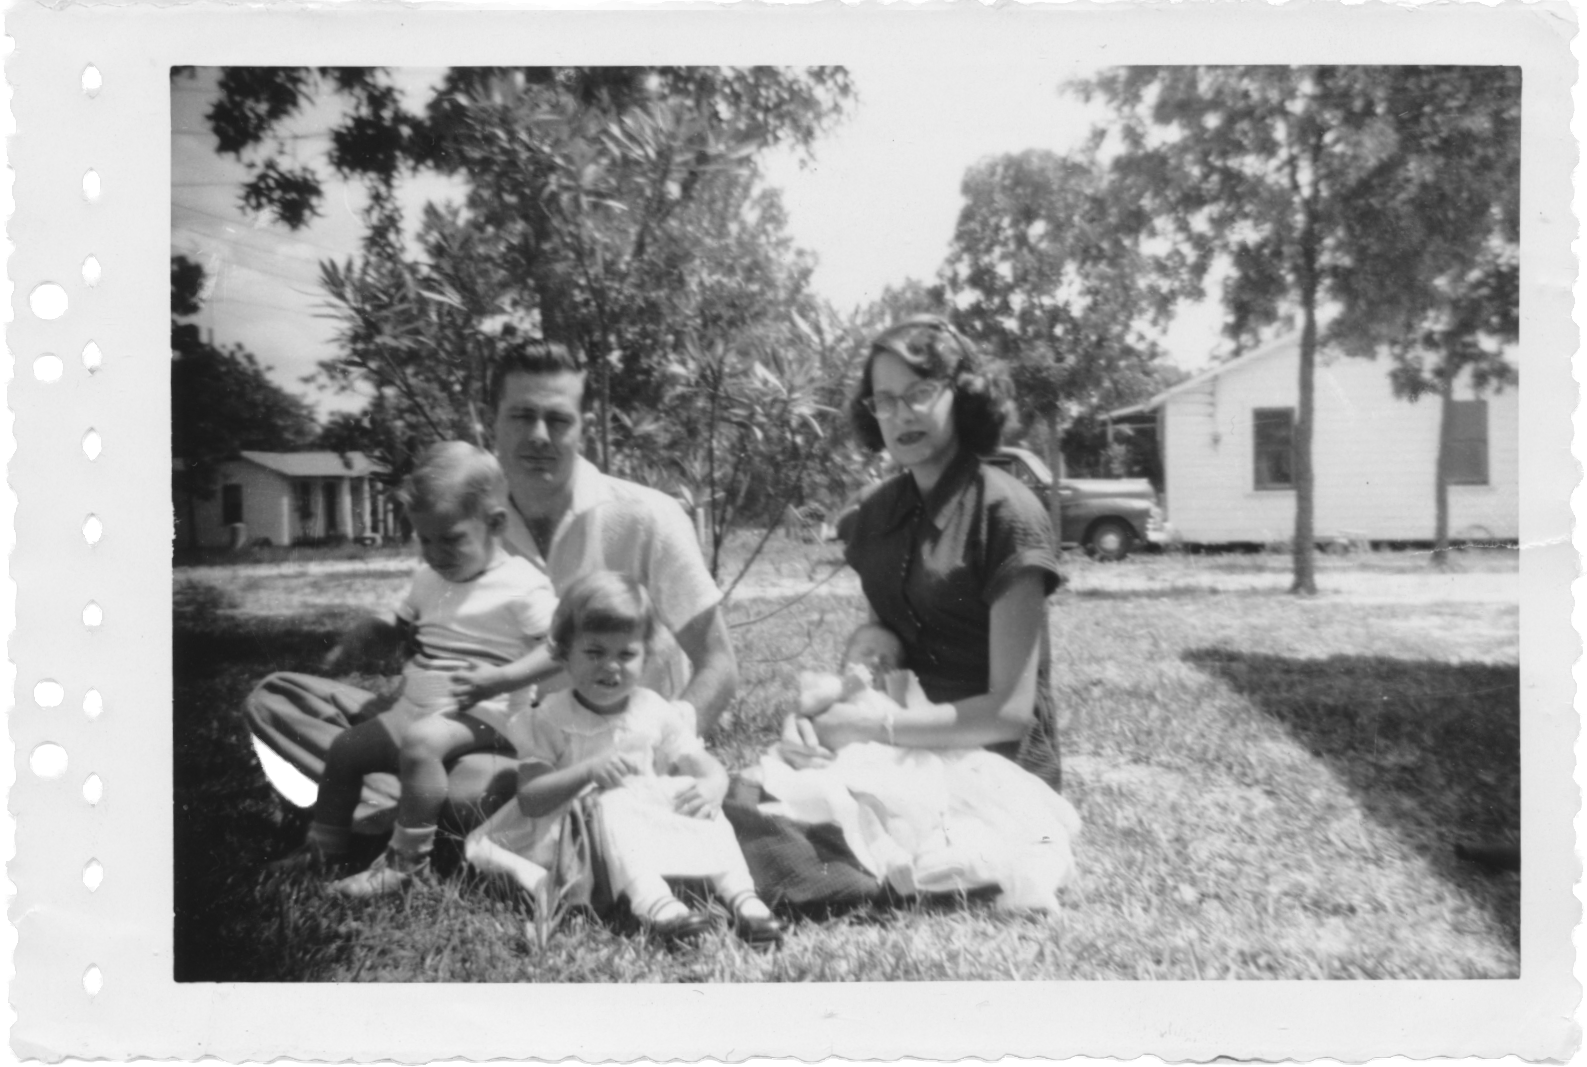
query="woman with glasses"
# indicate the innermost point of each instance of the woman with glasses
(954, 556)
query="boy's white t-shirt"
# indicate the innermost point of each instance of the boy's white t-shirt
(500, 616)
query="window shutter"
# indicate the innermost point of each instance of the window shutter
(1467, 459)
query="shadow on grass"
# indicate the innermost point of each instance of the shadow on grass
(1430, 750)
(227, 822)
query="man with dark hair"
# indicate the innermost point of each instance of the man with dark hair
(566, 517)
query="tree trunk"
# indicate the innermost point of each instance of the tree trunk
(710, 473)
(472, 391)
(1304, 547)
(1055, 463)
(1446, 392)
(604, 413)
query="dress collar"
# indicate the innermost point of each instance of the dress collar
(948, 494)
(952, 488)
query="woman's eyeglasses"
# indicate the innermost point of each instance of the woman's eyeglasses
(917, 398)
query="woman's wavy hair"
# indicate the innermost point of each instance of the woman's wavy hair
(934, 349)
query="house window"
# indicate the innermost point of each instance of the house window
(305, 502)
(1274, 436)
(230, 504)
(1466, 461)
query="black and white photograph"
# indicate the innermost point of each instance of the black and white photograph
(901, 521)
(1269, 668)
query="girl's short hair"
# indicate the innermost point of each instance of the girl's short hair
(602, 602)
(934, 349)
(457, 477)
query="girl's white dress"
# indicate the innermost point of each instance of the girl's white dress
(640, 833)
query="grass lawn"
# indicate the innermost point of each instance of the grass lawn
(1271, 787)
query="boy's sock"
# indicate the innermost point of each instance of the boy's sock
(329, 841)
(413, 843)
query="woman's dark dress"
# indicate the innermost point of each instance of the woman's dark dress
(931, 569)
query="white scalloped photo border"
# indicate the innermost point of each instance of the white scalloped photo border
(93, 533)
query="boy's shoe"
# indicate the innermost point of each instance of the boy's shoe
(391, 872)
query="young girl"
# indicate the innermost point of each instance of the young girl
(478, 618)
(641, 753)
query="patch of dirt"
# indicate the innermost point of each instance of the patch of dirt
(381, 565)
(1334, 586)
(1337, 586)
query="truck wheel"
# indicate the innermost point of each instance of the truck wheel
(1110, 540)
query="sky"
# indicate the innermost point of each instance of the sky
(877, 205)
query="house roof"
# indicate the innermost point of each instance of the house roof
(315, 464)
(1279, 344)
(1276, 345)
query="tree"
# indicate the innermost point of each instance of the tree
(417, 331)
(896, 303)
(580, 179)
(751, 390)
(1433, 270)
(1264, 167)
(377, 432)
(612, 208)
(222, 401)
(744, 435)
(1048, 268)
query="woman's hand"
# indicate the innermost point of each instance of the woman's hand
(862, 717)
(800, 747)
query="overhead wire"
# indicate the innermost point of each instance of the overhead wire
(313, 135)
(279, 277)
(222, 298)
(269, 233)
(204, 237)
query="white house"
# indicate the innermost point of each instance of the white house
(1224, 438)
(284, 498)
